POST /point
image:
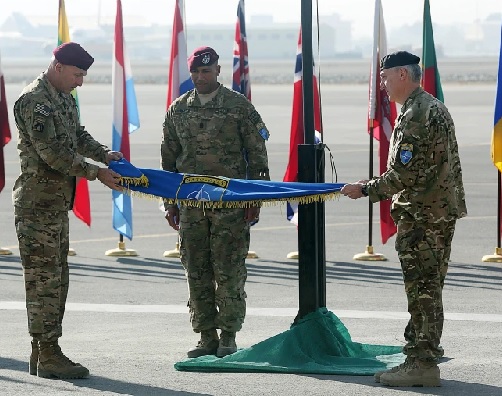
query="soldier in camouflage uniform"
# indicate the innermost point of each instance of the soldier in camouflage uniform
(424, 179)
(52, 147)
(213, 130)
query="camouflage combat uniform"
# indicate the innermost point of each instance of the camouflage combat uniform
(224, 137)
(52, 147)
(424, 179)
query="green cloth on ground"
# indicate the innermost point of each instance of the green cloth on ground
(318, 344)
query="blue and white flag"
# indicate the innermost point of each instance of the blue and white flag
(125, 121)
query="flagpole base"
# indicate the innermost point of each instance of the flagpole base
(251, 255)
(370, 255)
(175, 253)
(293, 255)
(72, 252)
(121, 251)
(493, 258)
(5, 252)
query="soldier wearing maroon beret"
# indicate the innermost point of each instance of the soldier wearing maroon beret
(213, 130)
(53, 148)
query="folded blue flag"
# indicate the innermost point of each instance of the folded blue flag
(215, 191)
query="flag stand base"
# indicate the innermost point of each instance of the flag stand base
(5, 252)
(493, 258)
(72, 252)
(370, 255)
(293, 255)
(175, 253)
(121, 251)
(252, 255)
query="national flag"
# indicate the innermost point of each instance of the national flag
(4, 128)
(297, 134)
(82, 202)
(125, 121)
(240, 81)
(497, 121)
(430, 73)
(179, 75)
(381, 114)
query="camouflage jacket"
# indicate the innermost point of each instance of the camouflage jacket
(424, 175)
(52, 147)
(225, 137)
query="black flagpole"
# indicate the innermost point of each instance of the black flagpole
(311, 238)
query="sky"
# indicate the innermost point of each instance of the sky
(396, 12)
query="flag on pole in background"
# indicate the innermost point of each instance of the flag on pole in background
(4, 128)
(240, 81)
(430, 73)
(297, 134)
(381, 114)
(497, 121)
(179, 75)
(82, 202)
(125, 121)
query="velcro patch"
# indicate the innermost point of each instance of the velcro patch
(254, 117)
(42, 109)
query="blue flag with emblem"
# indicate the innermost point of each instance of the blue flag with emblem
(215, 191)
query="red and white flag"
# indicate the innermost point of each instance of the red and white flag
(4, 128)
(381, 114)
(179, 75)
(297, 134)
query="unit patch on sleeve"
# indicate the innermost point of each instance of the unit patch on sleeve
(406, 153)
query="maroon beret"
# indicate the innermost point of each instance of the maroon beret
(202, 56)
(73, 54)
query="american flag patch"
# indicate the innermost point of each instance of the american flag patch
(42, 109)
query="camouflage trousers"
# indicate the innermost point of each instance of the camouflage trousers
(43, 247)
(214, 245)
(424, 251)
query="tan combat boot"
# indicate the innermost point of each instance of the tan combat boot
(207, 345)
(419, 373)
(52, 363)
(34, 357)
(227, 344)
(378, 374)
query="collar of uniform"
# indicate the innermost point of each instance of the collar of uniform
(412, 96)
(194, 101)
(55, 94)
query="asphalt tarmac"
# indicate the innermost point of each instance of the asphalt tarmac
(127, 319)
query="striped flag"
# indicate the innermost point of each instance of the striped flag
(381, 114)
(82, 202)
(125, 121)
(4, 128)
(430, 73)
(297, 134)
(497, 121)
(241, 82)
(179, 75)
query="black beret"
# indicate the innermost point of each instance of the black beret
(73, 54)
(399, 58)
(202, 56)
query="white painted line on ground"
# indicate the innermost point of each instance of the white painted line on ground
(282, 312)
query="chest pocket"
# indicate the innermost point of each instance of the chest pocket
(65, 127)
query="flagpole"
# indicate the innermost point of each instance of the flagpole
(311, 243)
(497, 256)
(369, 254)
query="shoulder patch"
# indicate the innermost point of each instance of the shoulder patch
(406, 153)
(42, 109)
(254, 117)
